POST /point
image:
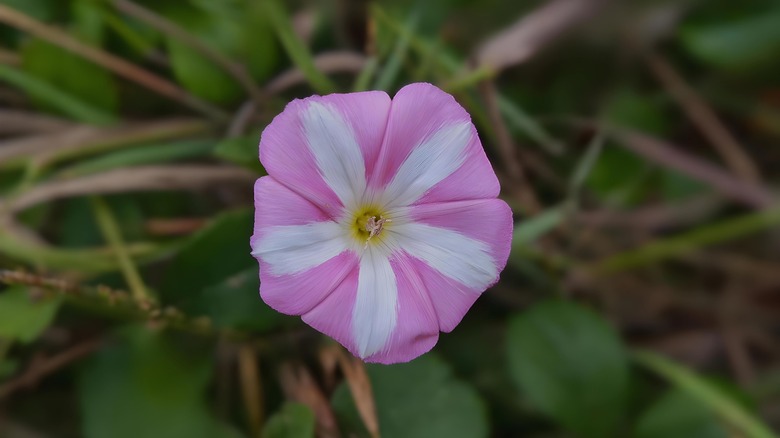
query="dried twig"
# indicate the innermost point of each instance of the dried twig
(42, 367)
(20, 122)
(82, 139)
(299, 385)
(654, 217)
(523, 39)
(705, 119)
(142, 178)
(111, 62)
(673, 157)
(508, 150)
(329, 62)
(360, 387)
(251, 387)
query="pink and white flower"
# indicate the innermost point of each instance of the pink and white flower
(378, 222)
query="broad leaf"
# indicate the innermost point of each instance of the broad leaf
(678, 415)
(21, 317)
(571, 365)
(145, 387)
(294, 420)
(418, 399)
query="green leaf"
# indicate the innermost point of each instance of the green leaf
(43, 10)
(236, 303)
(619, 177)
(211, 256)
(241, 151)
(146, 387)
(571, 365)
(677, 415)
(242, 34)
(295, 48)
(736, 44)
(418, 399)
(294, 420)
(531, 229)
(7, 368)
(706, 393)
(644, 112)
(54, 98)
(71, 73)
(88, 20)
(22, 318)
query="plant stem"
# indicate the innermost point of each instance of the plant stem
(113, 235)
(706, 393)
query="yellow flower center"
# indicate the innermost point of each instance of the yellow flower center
(368, 223)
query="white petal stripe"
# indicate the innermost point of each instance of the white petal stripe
(336, 151)
(374, 315)
(434, 159)
(454, 255)
(290, 249)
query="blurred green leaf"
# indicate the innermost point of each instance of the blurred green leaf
(676, 186)
(295, 48)
(53, 97)
(7, 368)
(736, 44)
(619, 177)
(70, 73)
(139, 155)
(243, 34)
(294, 420)
(531, 229)
(418, 399)
(677, 415)
(236, 303)
(88, 20)
(22, 318)
(571, 365)
(211, 256)
(146, 387)
(642, 111)
(708, 394)
(242, 151)
(43, 10)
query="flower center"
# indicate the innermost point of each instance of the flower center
(368, 224)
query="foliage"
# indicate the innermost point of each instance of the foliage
(637, 152)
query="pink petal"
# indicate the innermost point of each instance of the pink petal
(489, 221)
(486, 220)
(416, 330)
(296, 294)
(418, 114)
(450, 299)
(293, 294)
(277, 205)
(333, 315)
(286, 149)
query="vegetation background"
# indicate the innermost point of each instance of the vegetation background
(637, 142)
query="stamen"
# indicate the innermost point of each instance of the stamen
(374, 226)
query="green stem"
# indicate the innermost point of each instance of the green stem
(296, 50)
(86, 261)
(113, 235)
(683, 243)
(706, 393)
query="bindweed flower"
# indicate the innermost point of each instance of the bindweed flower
(378, 222)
